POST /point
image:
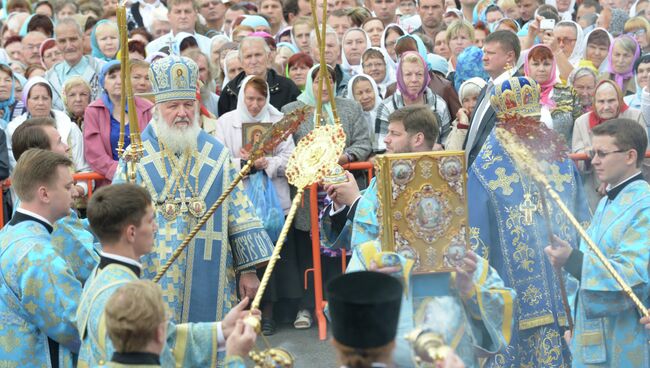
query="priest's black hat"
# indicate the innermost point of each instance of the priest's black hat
(364, 308)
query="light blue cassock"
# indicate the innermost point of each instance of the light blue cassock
(514, 246)
(608, 332)
(38, 298)
(76, 245)
(200, 284)
(188, 345)
(476, 326)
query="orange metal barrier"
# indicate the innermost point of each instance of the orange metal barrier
(317, 269)
(88, 177)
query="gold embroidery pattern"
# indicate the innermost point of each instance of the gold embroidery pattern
(558, 179)
(523, 254)
(478, 246)
(532, 295)
(489, 158)
(503, 181)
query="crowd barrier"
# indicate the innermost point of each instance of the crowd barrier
(320, 302)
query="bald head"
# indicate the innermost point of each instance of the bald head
(31, 44)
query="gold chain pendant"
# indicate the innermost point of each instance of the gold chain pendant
(169, 209)
(196, 207)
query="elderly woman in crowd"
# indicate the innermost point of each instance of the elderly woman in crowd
(583, 80)
(377, 64)
(76, 98)
(363, 89)
(37, 97)
(412, 80)
(357, 148)
(297, 68)
(389, 38)
(560, 103)
(231, 67)
(101, 124)
(639, 27)
(253, 106)
(355, 41)
(7, 95)
(603, 109)
(104, 40)
(622, 55)
(598, 43)
(641, 78)
(468, 91)
(50, 53)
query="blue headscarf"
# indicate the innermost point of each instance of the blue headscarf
(469, 65)
(6, 105)
(288, 45)
(102, 78)
(96, 52)
(422, 50)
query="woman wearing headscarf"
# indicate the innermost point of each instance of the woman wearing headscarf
(603, 110)
(567, 43)
(468, 91)
(363, 89)
(598, 42)
(7, 95)
(470, 65)
(37, 98)
(623, 52)
(357, 148)
(412, 80)
(354, 42)
(102, 125)
(50, 53)
(104, 40)
(377, 64)
(560, 103)
(389, 38)
(583, 79)
(283, 52)
(253, 106)
(641, 79)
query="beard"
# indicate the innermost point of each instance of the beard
(177, 139)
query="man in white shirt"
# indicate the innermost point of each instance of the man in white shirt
(182, 17)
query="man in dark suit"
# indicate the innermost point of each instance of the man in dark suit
(500, 54)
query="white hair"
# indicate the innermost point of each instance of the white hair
(250, 39)
(178, 140)
(328, 30)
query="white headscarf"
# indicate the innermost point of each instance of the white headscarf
(231, 54)
(391, 69)
(371, 115)
(581, 42)
(567, 15)
(345, 64)
(265, 113)
(382, 43)
(603, 66)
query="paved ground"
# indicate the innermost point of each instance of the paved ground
(309, 351)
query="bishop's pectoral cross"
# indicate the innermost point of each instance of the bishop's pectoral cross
(528, 208)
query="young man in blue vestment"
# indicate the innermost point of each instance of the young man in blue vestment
(123, 218)
(471, 309)
(38, 291)
(71, 236)
(607, 332)
(186, 170)
(509, 225)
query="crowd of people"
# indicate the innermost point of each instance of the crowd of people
(406, 76)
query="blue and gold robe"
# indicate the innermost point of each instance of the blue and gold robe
(508, 228)
(76, 245)
(188, 345)
(200, 284)
(38, 298)
(608, 332)
(476, 326)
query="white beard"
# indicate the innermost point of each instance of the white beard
(178, 140)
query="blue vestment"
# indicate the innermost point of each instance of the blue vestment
(188, 345)
(38, 298)
(508, 228)
(200, 284)
(608, 332)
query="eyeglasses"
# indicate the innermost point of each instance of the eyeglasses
(639, 32)
(565, 40)
(374, 65)
(601, 153)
